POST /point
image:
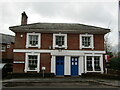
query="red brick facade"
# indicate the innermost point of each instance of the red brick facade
(46, 40)
(99, 42)
(8, 54)
(73, 41)
(20, 42)
(45, 60)
(18, 68)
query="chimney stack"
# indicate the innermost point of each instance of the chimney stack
(24, 18)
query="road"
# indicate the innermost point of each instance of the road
(56, 85)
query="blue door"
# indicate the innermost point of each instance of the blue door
(74, 66)
(59, 65)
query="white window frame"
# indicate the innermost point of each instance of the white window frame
(26, 62)
(4, 48)
(101, 62)
(39, 40)
(91, 42)
(54, 41)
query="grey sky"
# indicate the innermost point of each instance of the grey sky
(102, 14)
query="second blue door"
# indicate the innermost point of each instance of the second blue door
(59, 65)
(74, 66)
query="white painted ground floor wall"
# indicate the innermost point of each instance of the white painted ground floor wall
(67, 59)
(82, 67)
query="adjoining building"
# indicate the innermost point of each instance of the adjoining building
(65, 49)
(7, 45)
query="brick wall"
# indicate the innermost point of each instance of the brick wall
(45, 60)
(18, 68)
(99, 42)
(20, 42)
(73, 41)
(47, 40)
(8, 54)
(19, 56)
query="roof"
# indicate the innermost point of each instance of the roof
(6, 39)
(59, 27)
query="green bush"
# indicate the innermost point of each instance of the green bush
(115, 63)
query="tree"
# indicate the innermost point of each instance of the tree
(107, 43)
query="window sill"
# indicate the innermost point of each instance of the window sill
(87, 47)
(93, 71)
(29, 46)
(3, 51)
(61, 47)
(32, 70)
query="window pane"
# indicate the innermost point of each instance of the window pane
(89, 63)
(33, 40)
(32, 60)
(86, 41)
(59, 40)
(97, 63)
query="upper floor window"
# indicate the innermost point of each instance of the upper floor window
(3, 48)
(60, 41)
(33, 40)
(86, 41)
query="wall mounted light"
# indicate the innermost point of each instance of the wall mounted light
(21, 35)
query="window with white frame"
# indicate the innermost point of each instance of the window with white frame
(3, 48)
(32, 62)
(33, 40)
(60, 41)
(86, 41)
(93, 63)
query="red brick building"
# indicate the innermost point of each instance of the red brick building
(7, 45)
(59, 48)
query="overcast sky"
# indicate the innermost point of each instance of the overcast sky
(101, 14)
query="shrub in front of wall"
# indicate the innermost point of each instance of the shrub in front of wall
(115, 63)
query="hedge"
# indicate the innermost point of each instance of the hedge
(115, 63)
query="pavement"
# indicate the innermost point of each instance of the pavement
(59, 81)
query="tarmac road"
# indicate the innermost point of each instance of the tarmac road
(56, 85)
(60, 83)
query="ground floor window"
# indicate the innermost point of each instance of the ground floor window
(93, 63)
(32, 62)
